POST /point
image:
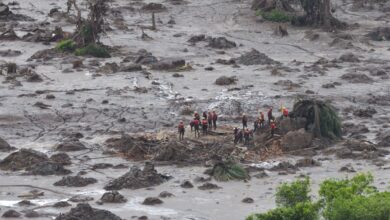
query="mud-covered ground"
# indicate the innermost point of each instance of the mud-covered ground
(345, 67)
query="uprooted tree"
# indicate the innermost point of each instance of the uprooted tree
(316, 12)
(86, 38)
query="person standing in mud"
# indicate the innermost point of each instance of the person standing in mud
(204, 126)
(210, 120)
(256, 124)
(244, 121)
(270, 116)
(196, 116)
(273, 127)
(215, 118)
(205, 115)
(284, 112)
(181, 130)
(237, 135)
(246, 136)
(196, 127)
(262, 120)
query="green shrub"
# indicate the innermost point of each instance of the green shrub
(93, 50)
(301, 211)
(66, 45)
(275, 15)
(288, 195)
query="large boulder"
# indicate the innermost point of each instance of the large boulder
(86, 212)
(295, 140)
(22, 159)
(168, 64)
(113, 197)
(137, 179)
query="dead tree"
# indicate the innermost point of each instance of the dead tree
(318, 13)
(89, 30)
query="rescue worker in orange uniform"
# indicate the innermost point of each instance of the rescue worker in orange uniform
(285, 112)
(181, 130)
(262, 120)
(273, 128)
(196, 126)
(204, 126)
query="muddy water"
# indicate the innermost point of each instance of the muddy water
(26, 126)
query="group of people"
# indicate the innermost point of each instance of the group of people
(209, 121)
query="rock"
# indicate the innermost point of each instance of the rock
(349, 57)
(295, 140)
(10, 53)
(221, 43)
(4, 10)
(226, 62)
(22, 159)
(208, 186)
(187, 185)
(261, 175)
(209, 68)
(357, 78)
(4, 146)
(31, 214)
(46, 168)
(11, 214)
(380, 34)
(61, 158)
(154, 7)
(307, 162)
(365, 113)
(137, 179)
(287, 83)
(61, 204)
(284, 167)
(101, 166)
(347, 168)
(143, 218)
(248, 200)
(25, 203)
(384, 139)
(113, 197)
(50, 96)
(152, 201)
(77, 64)
(165, 194)
(225, 80)
(86, 212)
(75, 181)
(328, 86)
(80, 198)
(177, 75)
(131, 68)
(254, 57)
(172, 151)
(197, 38)
(168, 64)
(144, 57)
(70, 146)
(41, 105)
(109, 68)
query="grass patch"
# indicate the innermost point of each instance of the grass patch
(94, 50)
(275, 15)
(66, 45)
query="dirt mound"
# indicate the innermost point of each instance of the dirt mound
(172, 151)
(31, 214)
(254, 57)
(197, 38)
(113, 197)
(61, 204)
(75, 181)
(208, 186)
(135, 148)
(169, 64)
(186, 185)
(152, 201)
(73, 145)
(380, 34)
(130, 68)
(365, 113)
(61, 158)
(11, 214)
(357, 78)
(22, 159)
(307, 162)
(47, 168)
(225, 80)
(220, 43)
(137, 179)
(86, 212)
(295, 140)
(4, 146)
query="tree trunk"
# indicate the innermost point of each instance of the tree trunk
(318, 12)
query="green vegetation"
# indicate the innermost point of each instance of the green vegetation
(225, 171)
(275, 15)
(66, 45)
(94, 50)
(320, 114)
(347, 199)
